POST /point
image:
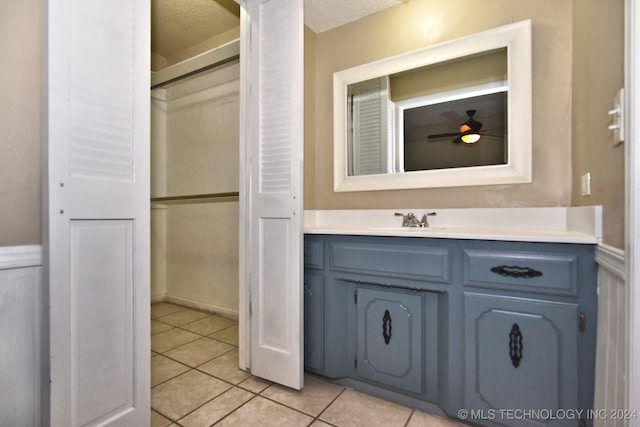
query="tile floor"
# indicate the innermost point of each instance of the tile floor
(195, 381)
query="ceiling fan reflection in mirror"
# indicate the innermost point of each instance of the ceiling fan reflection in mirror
(469, 132)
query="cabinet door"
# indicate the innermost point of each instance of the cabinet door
(313, 321)
(521, 355)
(390, 338)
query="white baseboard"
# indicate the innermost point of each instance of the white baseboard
(157, 298)
(233, 314)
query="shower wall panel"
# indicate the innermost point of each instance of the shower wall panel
(201, 133)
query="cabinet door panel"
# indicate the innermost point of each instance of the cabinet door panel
(390, 338)
(520, 354)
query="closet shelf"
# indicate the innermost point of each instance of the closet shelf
(197, 198)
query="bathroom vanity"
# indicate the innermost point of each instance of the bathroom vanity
(500, 324)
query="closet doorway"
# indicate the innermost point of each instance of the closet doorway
(194, 182)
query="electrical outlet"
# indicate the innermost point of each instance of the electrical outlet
(586, 184)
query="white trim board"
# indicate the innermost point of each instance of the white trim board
(20, 256)
(612, 259)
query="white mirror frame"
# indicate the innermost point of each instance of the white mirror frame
(517, 39)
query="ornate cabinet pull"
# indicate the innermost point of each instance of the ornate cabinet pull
(515, 271)
(386, 327)
(515, 345)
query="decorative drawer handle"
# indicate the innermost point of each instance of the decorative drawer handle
(515, 271)
(515, 345)
(386, 327)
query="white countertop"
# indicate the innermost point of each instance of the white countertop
(555, 225)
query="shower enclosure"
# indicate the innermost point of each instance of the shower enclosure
(194, 182)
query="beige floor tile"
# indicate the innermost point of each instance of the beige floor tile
(198, 352)
(420, 419)
(218, 408)
(158, 420)
(181, 395)
(226, 368)
(229, 335)
(260, 412)
(171, 339)
(209, 325)
(157, 327)
(312, 399)
(183, 317)
(355, 409)
(163, 308)
(319, 423)
(255, 384)
(163, 369)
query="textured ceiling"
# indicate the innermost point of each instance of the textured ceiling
(179, 24)
(322, 15)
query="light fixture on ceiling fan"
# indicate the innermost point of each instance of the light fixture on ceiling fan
(469, 131)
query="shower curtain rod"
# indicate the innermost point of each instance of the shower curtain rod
(198, 198)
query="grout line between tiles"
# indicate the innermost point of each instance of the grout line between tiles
(327, 407)
(413, 411)
(226, 416)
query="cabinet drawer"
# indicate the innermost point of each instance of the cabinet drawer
(313, 254)
(408, 262)
(524, 271)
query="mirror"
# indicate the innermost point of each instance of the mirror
(453, 114)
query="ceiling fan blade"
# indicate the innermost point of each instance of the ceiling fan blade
(443, 135)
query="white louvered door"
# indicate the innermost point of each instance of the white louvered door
(271, 243)
(97, 211)
(370, 142)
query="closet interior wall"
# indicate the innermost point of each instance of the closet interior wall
(194, 187)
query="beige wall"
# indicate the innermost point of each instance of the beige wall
(20, 119)
(420, 23)
(590, 35)
(598, 55)
(309, 116)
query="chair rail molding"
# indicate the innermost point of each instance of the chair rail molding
(20, 256)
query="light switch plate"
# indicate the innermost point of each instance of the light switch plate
(586, 184)
(617, 118)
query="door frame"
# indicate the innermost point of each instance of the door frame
(632, 200)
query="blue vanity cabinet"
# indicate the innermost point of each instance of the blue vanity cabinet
(314, 288)
(380, 301)
(450, 324)
(530, 323)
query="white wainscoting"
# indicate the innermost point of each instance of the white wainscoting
(21, 323)
(611, 354)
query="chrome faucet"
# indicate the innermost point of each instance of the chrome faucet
(410, 220)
